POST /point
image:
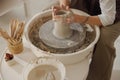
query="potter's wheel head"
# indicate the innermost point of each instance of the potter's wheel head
(47, 37)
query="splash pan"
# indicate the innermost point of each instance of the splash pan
(42, 37)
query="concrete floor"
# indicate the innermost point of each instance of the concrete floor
(19, 13)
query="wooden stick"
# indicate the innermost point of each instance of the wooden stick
(10, 41)
(12, 27)
(5, 35)
(21, 30)
(0, 31)
(16, 23)
(17, 31)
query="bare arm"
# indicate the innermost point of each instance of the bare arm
(108, 10)
(92, 20)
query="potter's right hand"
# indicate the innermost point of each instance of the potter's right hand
(55, 9)
(64, 3)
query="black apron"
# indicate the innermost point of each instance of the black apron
(118, 10)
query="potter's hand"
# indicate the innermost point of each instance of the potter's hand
(64, 3)
(55, 9)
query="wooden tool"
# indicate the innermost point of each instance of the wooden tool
(16, 32)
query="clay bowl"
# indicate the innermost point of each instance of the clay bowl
(44, 69)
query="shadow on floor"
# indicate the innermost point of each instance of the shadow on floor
(115, 75)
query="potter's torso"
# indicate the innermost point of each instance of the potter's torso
(118, 10)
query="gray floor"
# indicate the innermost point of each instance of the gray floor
(19, 13)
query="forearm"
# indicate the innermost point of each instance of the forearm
(92, 20)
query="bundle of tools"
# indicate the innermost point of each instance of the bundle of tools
(16, 32)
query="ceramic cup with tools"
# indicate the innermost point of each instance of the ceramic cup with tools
(14, 40)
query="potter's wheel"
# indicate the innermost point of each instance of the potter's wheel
(41, 35)
(76, 39)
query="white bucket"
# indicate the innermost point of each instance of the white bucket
(45, 68)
